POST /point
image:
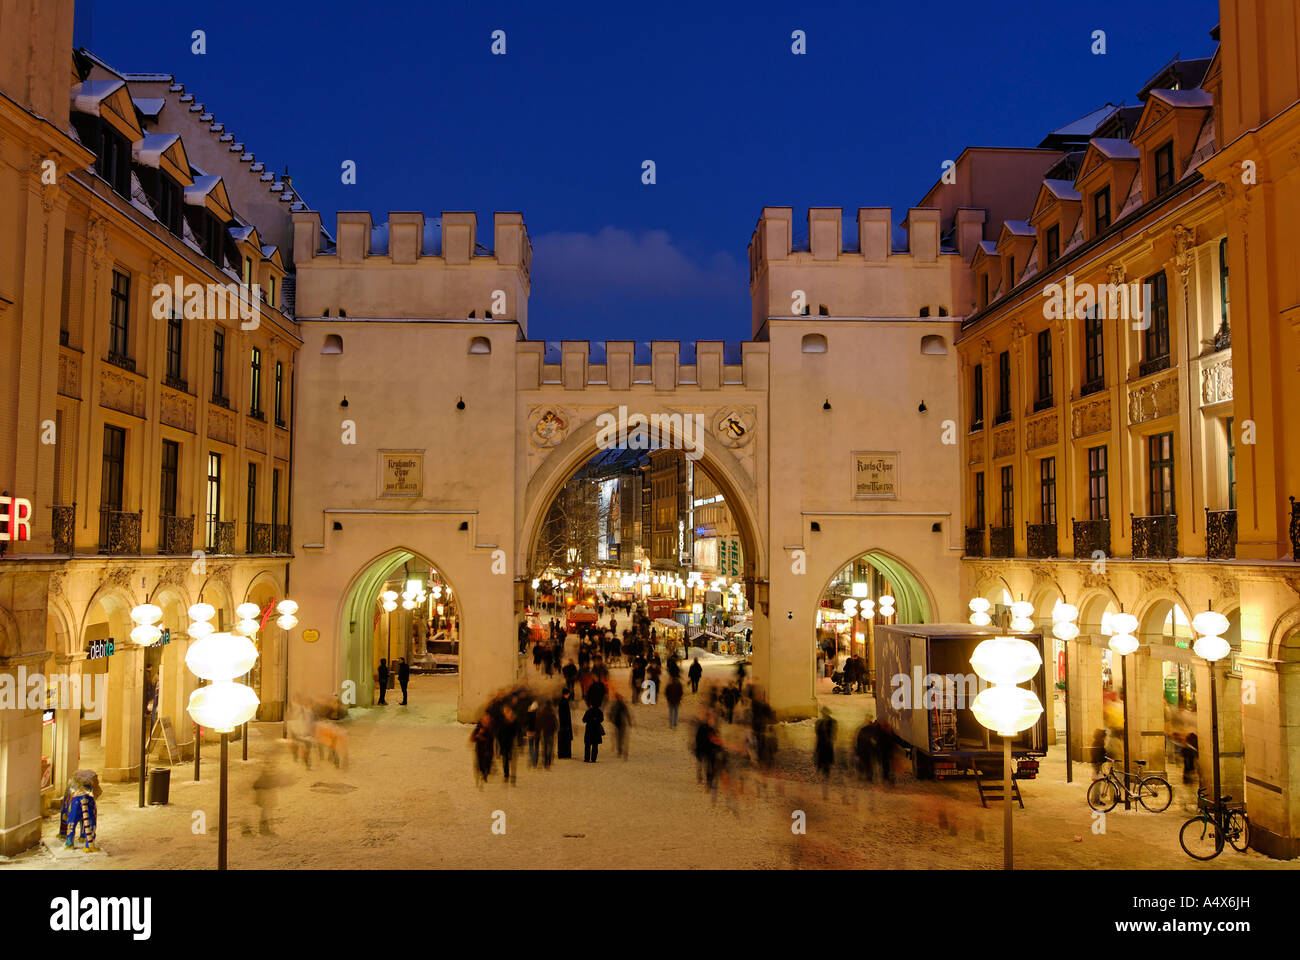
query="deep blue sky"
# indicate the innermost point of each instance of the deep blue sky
(559, 126)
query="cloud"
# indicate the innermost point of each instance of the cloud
(619, 264)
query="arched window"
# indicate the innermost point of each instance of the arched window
(823, 310)
(933, 343)
(814, 343)
(480, 345)
(333, 344)
(925, 311)
(943, 311)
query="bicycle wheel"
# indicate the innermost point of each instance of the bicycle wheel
(1200, 839)
(1103, 795)
(1237, 832)
(1155, 794)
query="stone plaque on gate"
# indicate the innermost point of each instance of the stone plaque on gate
(401, 473)
(875, 475)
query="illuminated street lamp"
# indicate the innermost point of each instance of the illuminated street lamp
(1122, 641)
(979, 616)
(144, 634)
(1006, 707)
(1211, 647)
(1065, 629)
(224, 704)
(1022, 613)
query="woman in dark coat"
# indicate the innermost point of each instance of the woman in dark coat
(564, 749)
(482, 738)
(594, 733)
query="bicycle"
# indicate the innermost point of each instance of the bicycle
(1203, 836)
(1152, 790)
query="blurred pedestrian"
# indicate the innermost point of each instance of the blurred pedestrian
(824, 746)
(593, 733)
(621, 717)
(1190, 750)
(481, 740)
(564, 748)
(673, 694)
(506, 730)
(383, 681)
(531, 733)
(403, 676)
(546, 726)
(694, 673)
(866, 746)
(1098, 751)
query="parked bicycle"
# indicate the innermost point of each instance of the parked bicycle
(1203, 836)
(1149, 789)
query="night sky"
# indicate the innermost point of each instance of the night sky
(558, 127)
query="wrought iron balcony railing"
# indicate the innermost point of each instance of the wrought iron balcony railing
(1089, 537)
(1040, 539)
(259, 538)
(175, 534)
(1155, 538)
(1295, 530)
(64, 524)
(1220, 534)
(223, 539)
(1002, 541)
(119, 531)
(1154, 365)
(974, 541)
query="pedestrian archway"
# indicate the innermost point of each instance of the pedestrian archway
(399, 605)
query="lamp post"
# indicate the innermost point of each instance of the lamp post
(224, 704)
(201, 615)
(248, 625)
(144, 634)
(1065, 629)
(1123, 642)
(1006, 707)
(1212, 648)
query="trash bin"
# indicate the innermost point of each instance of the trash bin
(160, 780)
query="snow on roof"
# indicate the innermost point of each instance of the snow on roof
(1115, 149)
(990, 247)
(1019, 228)
(87, 96)
(149, 106)
(241, 232)
(149, 77)
(1205, 145)
(1086, 124)
(149, 150)
(196, 194)
(268, 250)
(1063, 189)
(140, 199)
(1184, 98)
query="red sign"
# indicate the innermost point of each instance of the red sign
(15, 518)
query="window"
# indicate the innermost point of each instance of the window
(219, 365)
(979, 500)
(248, 272)
(977, 398)
(171, 456)
(1053, 243)
(1223, 289)
(1232, 465)
(214, 498)
(984, 285)
(813, 343)
(174, 341)
(249, 545)
(925, 311)
(275, 508)
(255, 384)
(114, 160)
(1008, 501)
(1098, 485)
(1094, 357)
(1160, 456)
(1004, 386)
(1101, 210)
(119, 320)
(1047, 490)
(111, 478)
(1044, 370)
(1164, 167)
(1157, 332)
(270, 290)
(1011, 273)
(169, 203)
(279, 394)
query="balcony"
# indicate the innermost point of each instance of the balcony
(63, 337)
(1090, 537)
(1043, 403)
(1295, 530)
(1040, 539)
(259, 538)
(1154, 365)
(175, 535)
(223, 537)
(221, 401)
(1001, 418)
(974, 541)
(282, 538)
(119, 532)
(1220, 534)
(1002, 541)
(121, 360)
(1092, 386)
(1155, 538)
(976, 425)
(176, 383)
(64, 525)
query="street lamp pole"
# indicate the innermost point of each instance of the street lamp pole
(144, 634)
(1211, 647)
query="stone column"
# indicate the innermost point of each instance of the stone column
(1085, 698)
(20, 758)
(67, 718)
(122, 714)
(1146, 710)
(1231, 753)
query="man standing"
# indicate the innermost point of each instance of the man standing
(383, 681)
(403, 676)
(694, 673)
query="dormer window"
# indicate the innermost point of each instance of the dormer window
(169, 203)
(248, 273)
(1052, 242)
(1101, 211)
(270, 290)
(984, 285)
(1164, 167)
(114, 160)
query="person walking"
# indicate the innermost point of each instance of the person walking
(673, 694)
(593, 733)
(694, 673)
(403, 677)
(481, 740)
(621, 717)
(531, 734)
(596, 692)
(506, 732)
(383, 681)
(824, 748)
(564, 748)
(885, 745)
(866, 747)
(546, 725)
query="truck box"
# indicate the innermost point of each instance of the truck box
(925, 686)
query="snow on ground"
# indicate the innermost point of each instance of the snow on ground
(407, 799)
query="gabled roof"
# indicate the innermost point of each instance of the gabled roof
(271, 252)
(1103, 150)
(207, 190)
(149, 107)
(1078, 131)
(108, 98)
(1062, 189)
(1162, 102)
(1016, 228)
(246, 233)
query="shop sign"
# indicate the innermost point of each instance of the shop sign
(311, 636)
(401, 473)
(101, 648)
(15, 519)
(875, 475)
